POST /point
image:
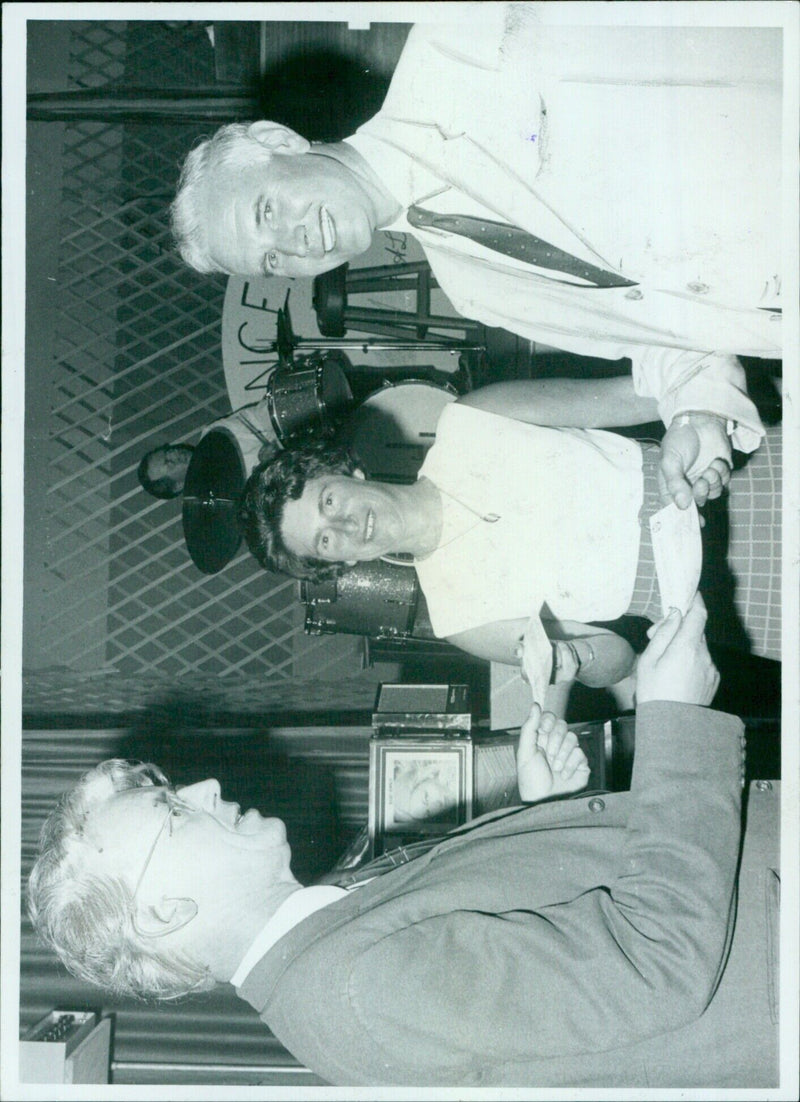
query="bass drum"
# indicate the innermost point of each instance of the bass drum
(310, 398)
(379, 599)
(393, 428)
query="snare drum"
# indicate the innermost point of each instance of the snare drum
(379, 599)
(393, 428)
(308, 400)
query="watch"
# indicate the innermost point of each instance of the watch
(686, 419)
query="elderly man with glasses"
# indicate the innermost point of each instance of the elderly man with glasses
(590, 941)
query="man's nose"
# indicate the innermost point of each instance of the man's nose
(205, 795)
(345, 522)
(293, 241)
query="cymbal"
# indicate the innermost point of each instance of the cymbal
(285, 339)
(212, 491)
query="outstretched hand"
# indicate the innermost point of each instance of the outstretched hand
(695, 460)
(676, 664)
(549, 760)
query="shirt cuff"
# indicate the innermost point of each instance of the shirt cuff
(685, 381)
(743, 423)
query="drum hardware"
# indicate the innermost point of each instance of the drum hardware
(335, 315)
(284, 343)
(287, 342)
(215, 479)
(366, 345)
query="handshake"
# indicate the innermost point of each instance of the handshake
(675, 666)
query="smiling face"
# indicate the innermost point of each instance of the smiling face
(204, 851)
(342, 519)
(296, 214)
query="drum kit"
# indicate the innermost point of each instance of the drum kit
(214, 482)
(308, 397)
(305, 399)
(380, 599)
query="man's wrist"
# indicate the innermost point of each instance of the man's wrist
(686, 417)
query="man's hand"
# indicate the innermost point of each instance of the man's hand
(695, 460)
(676, 664)
(549, 760)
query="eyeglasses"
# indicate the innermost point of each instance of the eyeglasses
(175, 808)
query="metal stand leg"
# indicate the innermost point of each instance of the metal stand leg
(335, 315)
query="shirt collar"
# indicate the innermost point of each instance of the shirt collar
(403, 177)
(299, 905)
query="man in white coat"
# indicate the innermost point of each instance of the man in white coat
(610, 190)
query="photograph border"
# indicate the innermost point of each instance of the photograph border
(727, 12)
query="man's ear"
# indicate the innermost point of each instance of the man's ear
(164, 917)
(278, 138)
(358, 473)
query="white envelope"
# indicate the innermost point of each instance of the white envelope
(537, 658)
(678, 554)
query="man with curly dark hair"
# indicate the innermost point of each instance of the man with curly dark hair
(270, 486)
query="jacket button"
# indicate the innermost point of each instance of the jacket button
(596, 804)
(764, 786)
(698, 288)
(634, 293)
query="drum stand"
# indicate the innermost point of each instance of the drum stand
(401, 338)
(335, 315)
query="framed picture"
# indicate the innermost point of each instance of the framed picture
(419, 786)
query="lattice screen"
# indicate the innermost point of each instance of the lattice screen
(137, 364)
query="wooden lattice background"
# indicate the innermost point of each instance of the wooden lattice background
(137, 363)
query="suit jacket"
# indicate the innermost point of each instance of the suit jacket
(654, 152)
(586, 942)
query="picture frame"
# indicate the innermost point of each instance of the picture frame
(418, 787)
(427, 784)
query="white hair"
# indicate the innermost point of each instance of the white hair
(88, 918)
(231, 147)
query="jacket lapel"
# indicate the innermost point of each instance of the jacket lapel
(479, 170)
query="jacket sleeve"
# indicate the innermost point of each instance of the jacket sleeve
(711, 382)
(633, 957)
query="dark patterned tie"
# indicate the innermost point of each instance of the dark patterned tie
(512, 241)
